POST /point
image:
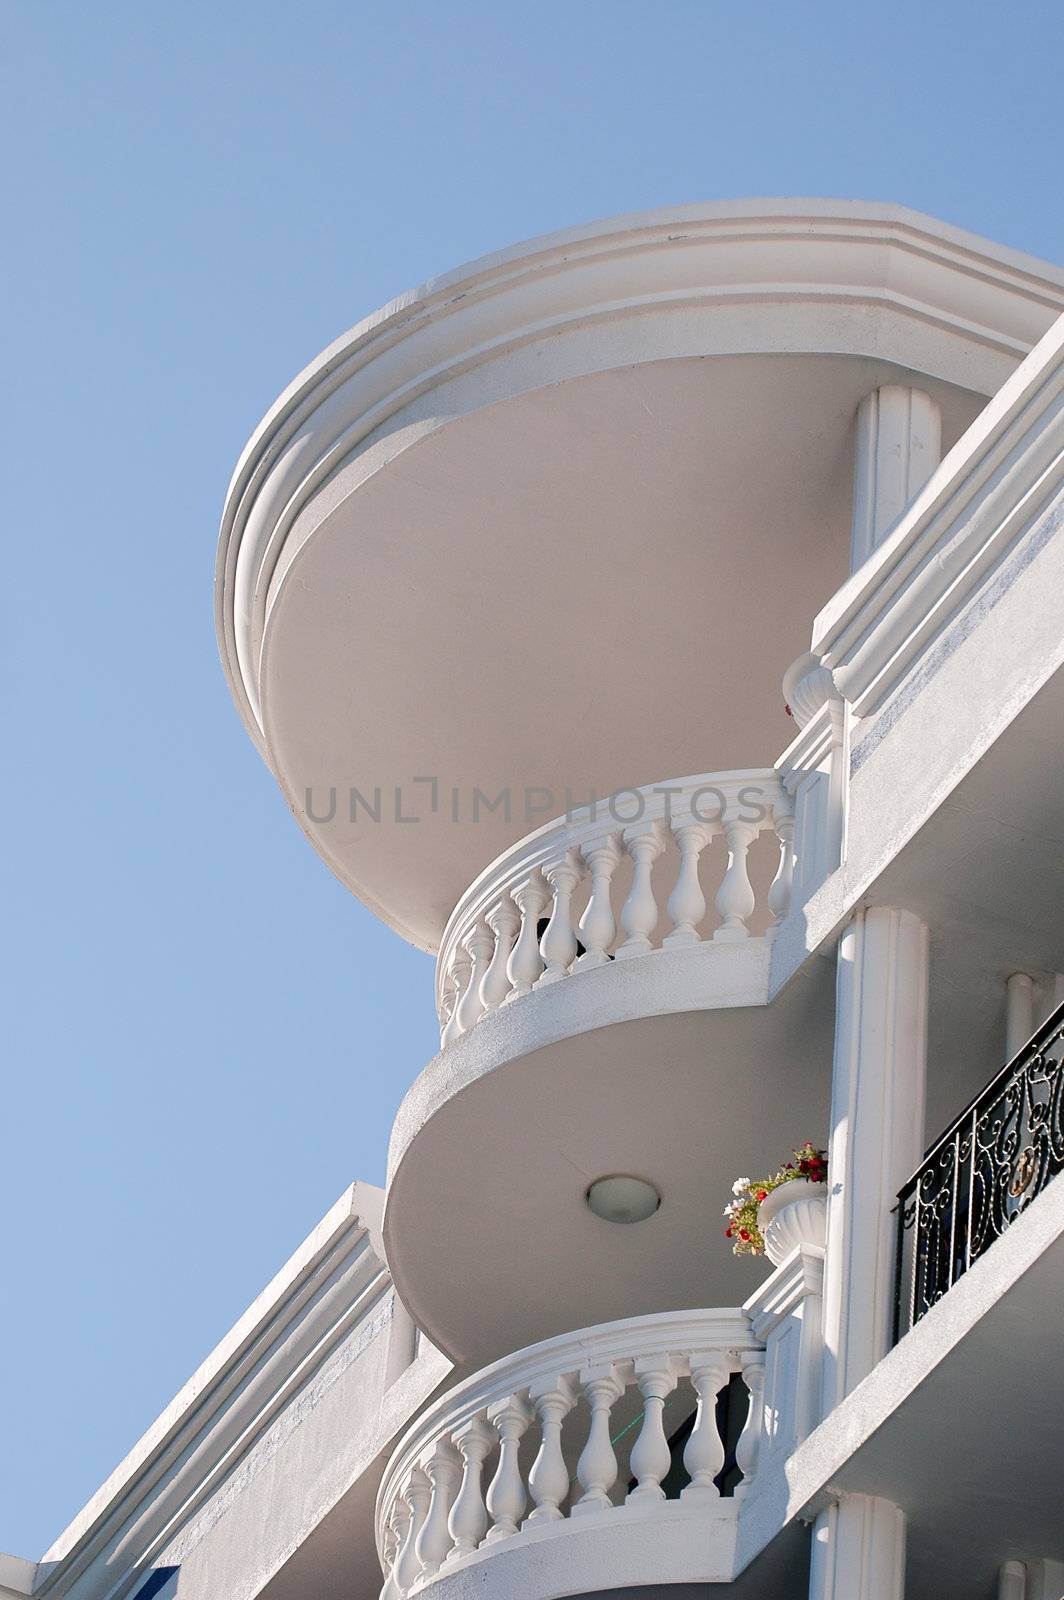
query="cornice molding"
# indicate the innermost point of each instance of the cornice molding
(799, 255)
(331, 1283)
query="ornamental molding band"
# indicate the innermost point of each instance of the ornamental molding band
(824, 276)
(335, 1288)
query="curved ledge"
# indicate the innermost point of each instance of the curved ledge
(563, 1392)
(931, 296)
(642, 1066)
(701, 977)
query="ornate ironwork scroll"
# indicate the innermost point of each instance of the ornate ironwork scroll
(981, 1174)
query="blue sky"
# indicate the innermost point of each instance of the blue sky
(207, 1037)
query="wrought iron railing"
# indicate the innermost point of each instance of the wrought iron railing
(981, 1174)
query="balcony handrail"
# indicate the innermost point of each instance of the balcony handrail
(980, 1174)
(494, 947)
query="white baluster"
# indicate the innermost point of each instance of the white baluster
(779, 895)
(398, 1523)
(506, 1492)
(526, 963)
(650, 1459)
(504, 921)
(704, 1452)
(468, 1521)
(458, 978)
(747, 1449)
(687, 903)
(558, 945)
(735, 897)
(444, 1470)
(448, 1002)
(417, 1494)
(596, 1470)
(479, 942)
(639, 914)
(548, 1481)
(597, 925)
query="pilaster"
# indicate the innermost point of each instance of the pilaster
(898, 446)
(877, 1127)
(858, 1551)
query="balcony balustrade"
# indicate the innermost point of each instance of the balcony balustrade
(525, 1421)
(581, 891)
(982, 1174)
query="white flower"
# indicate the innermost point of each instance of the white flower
(740, 1185)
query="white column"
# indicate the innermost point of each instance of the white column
(877, 1132)
(1044, 1580)
(858, 1551)
(898, 447)
(1012, 1581)
(1019, 1013)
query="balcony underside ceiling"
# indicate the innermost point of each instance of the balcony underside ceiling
(594, 585)
(489, 1239)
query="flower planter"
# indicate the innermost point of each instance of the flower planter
(795, 1213)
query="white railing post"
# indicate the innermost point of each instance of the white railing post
(506, 1493)
(748, 1447)
(504, 921)
(443, 1467)
(457, 978)
(650, 1458)
(479, 943)
(779, 894)
(704, 1452)
(597, 925)
(687, 904)
(526, 963)
(548, 1480)
(417, 1493)
(639, 914)
(468, 1522)
(596, 1469)
(558, 945)
(735, 897)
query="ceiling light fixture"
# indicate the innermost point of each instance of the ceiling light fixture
(620, 1197)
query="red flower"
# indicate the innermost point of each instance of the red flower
(727, 1233)
(762, 1194)
(744, 1233)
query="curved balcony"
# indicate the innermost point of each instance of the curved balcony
(583, 891)
(604, 994)
(572, 1440)
(613, 1456)
(624, 448)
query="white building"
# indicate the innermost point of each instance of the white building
(497, 571)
